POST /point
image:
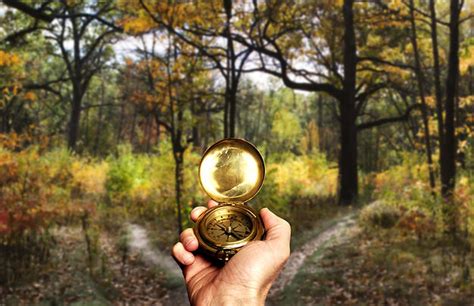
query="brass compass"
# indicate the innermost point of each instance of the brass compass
(231, 172)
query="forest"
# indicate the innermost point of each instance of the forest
(363, 112)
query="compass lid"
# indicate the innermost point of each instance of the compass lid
(231, 171)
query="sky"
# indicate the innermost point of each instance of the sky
(126, 47)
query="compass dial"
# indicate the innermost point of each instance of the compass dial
(226, 228)
(229, 228)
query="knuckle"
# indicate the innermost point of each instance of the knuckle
(197, 208)
(196, 212)
(286, 225)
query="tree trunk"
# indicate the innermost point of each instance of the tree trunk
(132, 127)
(348, 185)
(437, 80)
(120, 123)
(420, 81)
(226, 112)
(207, 128)
(448, 172)
(99, 119)
(148, 132)
(232, 111)
(348, 178)
(74, 119)
(231, 77)
(178, 178)
(197, 123)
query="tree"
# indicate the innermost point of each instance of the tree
(11, 71)
(283, 32)
(87, 27)
(172, 82)
(421, 89)
(448, 166)
(202, 26)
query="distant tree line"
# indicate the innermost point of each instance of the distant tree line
(378, 77)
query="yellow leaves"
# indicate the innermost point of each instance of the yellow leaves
(313, 176)
(89, 177)
(31, 96)
(466, 101)
(129, 62)
(9, 59)
(137, 25)
(470, 119)
(463, 181)
(433, 126)
(462, 145)
(430, 101)
(466, 60)
(10, 68)
(395, 4)
(338, 3)
(10, 140)
(310, 141)
(332, 4)
(173, 13)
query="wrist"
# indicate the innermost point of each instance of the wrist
(240, 295)
(239, 299)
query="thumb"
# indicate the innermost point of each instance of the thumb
(277, 229)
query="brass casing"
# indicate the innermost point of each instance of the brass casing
(224, 251)
(231, 172)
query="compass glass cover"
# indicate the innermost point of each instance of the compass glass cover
(231, 171)
(229, 228)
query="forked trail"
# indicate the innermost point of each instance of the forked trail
(342, 230)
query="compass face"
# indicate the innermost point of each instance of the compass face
(224, 229)
(229, 228)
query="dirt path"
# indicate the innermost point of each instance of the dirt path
(341, 231)
(139, 243)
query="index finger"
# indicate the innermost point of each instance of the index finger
(199, 210)
(211, 203)
(196, 212)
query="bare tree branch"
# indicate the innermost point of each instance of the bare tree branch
(403, 117)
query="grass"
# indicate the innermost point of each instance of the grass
(377, 266)
(384, 267)
(67, 279)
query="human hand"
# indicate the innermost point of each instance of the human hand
(247, 277)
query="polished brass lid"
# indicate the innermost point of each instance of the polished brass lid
(231, 171)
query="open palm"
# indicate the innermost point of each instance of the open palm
(248, 275)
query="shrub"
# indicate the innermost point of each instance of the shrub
(304, 176)
(145, 185)
(379, 214)
(418, 222)
(34, 193)
(269, 195)
(408, 183)
(88, 179)
(125, 173)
